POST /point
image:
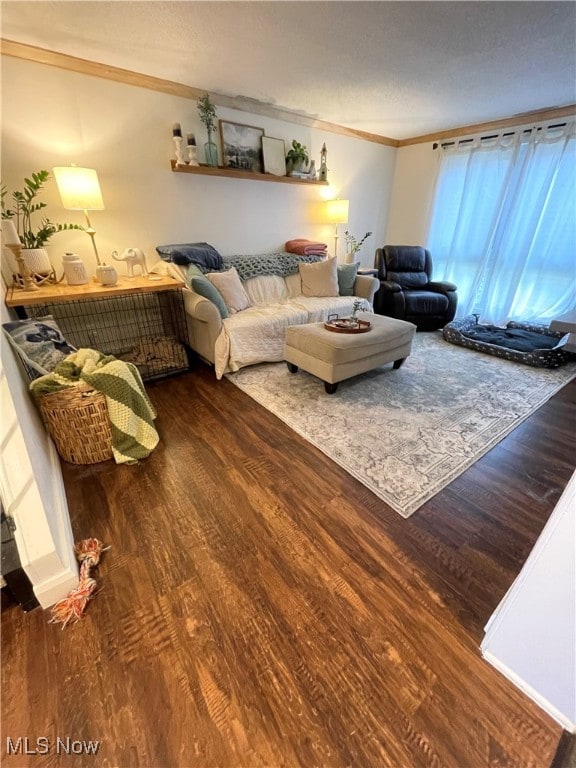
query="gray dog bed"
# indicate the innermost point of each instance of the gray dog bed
(526, 343)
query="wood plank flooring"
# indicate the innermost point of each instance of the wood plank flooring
(260, 607)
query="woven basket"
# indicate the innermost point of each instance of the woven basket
(77, 420)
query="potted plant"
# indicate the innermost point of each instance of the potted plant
(34, 240)
(207, 112)
(353, 245)
(297, 158)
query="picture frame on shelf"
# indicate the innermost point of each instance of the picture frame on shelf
(241, 146)
(274, 156)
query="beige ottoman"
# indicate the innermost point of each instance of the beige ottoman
(334, 357)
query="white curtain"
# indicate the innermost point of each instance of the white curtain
(503, 224)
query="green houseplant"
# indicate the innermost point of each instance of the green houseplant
(34, 237)
(26, 203)
(207, 112)
(297, 157)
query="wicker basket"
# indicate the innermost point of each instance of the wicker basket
(77, 420)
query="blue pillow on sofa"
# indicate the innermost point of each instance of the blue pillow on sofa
(203, 254)
(204, 287)
(346, 278)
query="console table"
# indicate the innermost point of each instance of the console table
(140, 319)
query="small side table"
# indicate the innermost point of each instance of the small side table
(367, 271)
(140, 319)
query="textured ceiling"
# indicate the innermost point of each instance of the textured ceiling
(399, 69)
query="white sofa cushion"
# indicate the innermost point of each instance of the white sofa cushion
(254, 335)
(318, 308)
(266, 289)
(294, 285)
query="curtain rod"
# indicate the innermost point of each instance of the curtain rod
(495, 135)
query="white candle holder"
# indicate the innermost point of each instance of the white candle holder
(179, 156)
(24, 279)
(192, 155)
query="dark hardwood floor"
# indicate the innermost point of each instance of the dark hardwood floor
(260, 607)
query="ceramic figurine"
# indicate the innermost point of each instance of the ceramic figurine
(133, 258)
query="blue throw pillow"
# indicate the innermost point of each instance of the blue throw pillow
(346, 278)
(203, 254)
(204, 287)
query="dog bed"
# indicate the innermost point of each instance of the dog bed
(526, 343)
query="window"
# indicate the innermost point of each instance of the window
(503, 225)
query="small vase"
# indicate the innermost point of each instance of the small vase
(211, 152)
(106, 274)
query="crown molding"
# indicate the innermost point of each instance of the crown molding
(253, 106)
(538, 116)
(128, 77)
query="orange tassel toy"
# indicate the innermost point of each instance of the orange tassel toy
(72, 607)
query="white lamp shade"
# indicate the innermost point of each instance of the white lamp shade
(9, 233)
(337, 211)
(79, 188)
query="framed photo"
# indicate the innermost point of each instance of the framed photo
(241, 146)
(274, 156)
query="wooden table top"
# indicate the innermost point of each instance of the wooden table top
(61, 292)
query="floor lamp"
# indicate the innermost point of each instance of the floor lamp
(337, 213)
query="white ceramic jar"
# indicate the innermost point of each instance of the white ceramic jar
(74, 269)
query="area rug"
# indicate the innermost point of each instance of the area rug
(406, 434)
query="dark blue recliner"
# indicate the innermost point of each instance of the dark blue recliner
(407, 291)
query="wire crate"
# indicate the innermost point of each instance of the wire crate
(147, 329)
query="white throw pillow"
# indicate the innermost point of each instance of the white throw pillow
(231, 288)
(320, 278)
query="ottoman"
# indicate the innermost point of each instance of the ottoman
(334, 357)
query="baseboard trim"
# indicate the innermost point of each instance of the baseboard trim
(536, 697)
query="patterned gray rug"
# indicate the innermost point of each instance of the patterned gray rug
(406, 434)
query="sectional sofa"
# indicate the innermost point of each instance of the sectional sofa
(238, 315)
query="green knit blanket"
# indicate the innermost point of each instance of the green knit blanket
(130, 412)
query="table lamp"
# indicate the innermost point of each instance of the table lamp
(337, 213)
(80, 191)
(11, 240)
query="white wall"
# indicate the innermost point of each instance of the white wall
(55, 117)
(412, 194)
(32, 488)
(531, 637)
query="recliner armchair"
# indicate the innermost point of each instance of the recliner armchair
(407, 291)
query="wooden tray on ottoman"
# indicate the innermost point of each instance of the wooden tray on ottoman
(344, 325)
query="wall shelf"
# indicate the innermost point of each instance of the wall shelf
(231, 173)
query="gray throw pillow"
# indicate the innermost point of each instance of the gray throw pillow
(346, 278)
(39, 343)
(204, 287)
